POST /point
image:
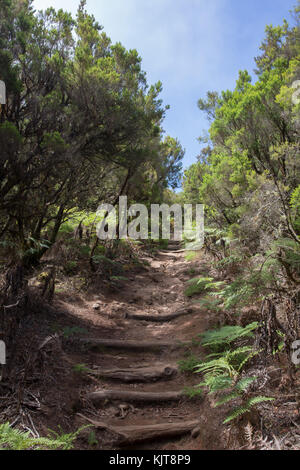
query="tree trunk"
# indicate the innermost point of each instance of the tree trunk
(141, 374)
(129, 435)
(99, 397)
(131, 344)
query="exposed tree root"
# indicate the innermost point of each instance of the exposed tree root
(141, 374)
(129, 435)
(160, 318)
(171, 253)
(131, 344)
(129, 396)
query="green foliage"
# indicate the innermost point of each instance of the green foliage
(248, 175)
(84, 250)
(248, 178)
(237, 390)
(81, 369)
(226, 335)
(216, 382)
(229, 261)
(295, 198)
(192, 392)
(66, 229)
(191, 256)
(246, 407)
(92, 440)
(200, 285)
(210, 303)
(188, 364)
(228, 363)
(98, 130)
(221, 370)
(163, 244)
(244, 289)
(70, 267)
(288, 254)
(118, 278)
(103, 259)
(14, 439)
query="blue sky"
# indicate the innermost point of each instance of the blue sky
(192, 46)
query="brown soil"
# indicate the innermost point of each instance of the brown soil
(54, 394)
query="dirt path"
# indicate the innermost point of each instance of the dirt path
(136, 397)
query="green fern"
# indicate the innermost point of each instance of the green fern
(246, 407)
(227, 398)
(216, 383)
(237, 412)
(191, 256)
(81, 369)
(244, 383)
(14, 439)
(193, 392)
(92, 440)
(199, 285)
(247, 288)
(210, 303)
(231, 260)
(66, 441)
(257, 400)
(289, 253)
(227, 363)
(227, 335)
(118, 278)
(103, 259)
(188, 364)
(238, 390)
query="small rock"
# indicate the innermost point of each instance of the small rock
(96, 306)
(195, 432)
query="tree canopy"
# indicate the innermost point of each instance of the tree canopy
(81, 124)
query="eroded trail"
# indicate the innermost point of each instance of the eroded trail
(138, 395)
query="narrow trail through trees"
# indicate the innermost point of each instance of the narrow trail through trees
(140, 396)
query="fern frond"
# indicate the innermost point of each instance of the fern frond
(227, 334)
(227, 398)
(198, 285)
(237, 412)
(257, 400)
(216, 383)
(14, 439)
(246, 407)
(244, 383)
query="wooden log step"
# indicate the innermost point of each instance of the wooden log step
(130, 435)
(160, 318)
(171, 252)
(140, 374)
(99, 397)
(132, 344)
